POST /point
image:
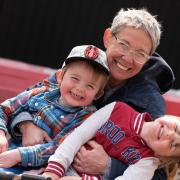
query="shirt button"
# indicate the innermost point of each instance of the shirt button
(62, 116)
(29, 164)
(36, 104)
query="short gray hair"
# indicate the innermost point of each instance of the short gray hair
(138, 18)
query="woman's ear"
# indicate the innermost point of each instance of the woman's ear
(107, 37)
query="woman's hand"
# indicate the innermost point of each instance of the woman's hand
(32, 134)
(91, 161)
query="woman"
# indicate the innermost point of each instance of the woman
(138, 76)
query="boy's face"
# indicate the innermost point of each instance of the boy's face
(80, 85)
(164, 137)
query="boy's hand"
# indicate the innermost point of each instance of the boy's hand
(10, 158)
(51, 175)
(3, 142)
(32, 134)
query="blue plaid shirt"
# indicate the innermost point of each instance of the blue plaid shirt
(47, 113)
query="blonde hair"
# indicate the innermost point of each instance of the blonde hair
(172, 169)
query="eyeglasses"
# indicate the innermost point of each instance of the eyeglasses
(139, 57)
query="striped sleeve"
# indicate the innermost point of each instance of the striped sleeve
(56, 168)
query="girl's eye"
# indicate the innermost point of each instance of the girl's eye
(90, 86)
(173, 145)
(175, 129)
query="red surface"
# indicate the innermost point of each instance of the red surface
(17, 76)
(172, 104)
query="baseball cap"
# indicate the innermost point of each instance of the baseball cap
(88, 53)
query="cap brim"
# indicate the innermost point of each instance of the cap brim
(73, 59)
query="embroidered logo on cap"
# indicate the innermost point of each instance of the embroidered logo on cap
(91, 52)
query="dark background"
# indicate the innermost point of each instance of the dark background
(43, 32)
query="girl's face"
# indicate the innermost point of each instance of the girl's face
(163, 136)
(80, 85)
